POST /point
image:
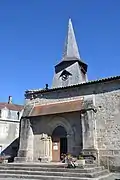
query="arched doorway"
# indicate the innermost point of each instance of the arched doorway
(59, 143)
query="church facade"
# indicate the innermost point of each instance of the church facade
(73, 116)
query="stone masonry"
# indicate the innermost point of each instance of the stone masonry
(105, 97)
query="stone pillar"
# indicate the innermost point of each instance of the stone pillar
(25, 152)
(89, 134)
(50, 148)
(45, 152)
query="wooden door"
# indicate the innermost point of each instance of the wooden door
(56, 149)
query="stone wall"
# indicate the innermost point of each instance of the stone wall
(70, 93)
(106, 99)
(108, 126)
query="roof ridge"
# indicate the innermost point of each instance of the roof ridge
(11, 104)
(84, 83)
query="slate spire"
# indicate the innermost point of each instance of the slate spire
(70, 49)
(71, 69)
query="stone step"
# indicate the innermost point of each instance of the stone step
(47, 165)
(57, 174)
(48, 169)
(41, 177)
(52, 171)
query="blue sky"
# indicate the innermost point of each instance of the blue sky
(32, 34)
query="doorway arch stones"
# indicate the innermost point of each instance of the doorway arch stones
(60, 121)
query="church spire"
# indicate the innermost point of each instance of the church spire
(70, 49)
(71, 70)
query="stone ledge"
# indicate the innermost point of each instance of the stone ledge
(114, 168)
(20, 159)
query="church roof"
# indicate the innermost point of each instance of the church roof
(113, 78)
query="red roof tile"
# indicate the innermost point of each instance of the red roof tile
(14, 107)
(57, 108)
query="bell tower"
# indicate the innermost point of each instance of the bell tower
(71, 70)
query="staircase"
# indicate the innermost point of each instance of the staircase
(52, 171)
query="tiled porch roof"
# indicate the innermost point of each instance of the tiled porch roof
(56, 108)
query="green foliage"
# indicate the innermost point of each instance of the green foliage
(80, 157)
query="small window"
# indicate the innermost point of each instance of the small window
(0, 149)
(4, 113)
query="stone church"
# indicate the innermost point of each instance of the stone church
(74, 115)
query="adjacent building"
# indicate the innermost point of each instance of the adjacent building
(10, 115)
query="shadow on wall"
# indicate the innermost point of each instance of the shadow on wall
(11, 150)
